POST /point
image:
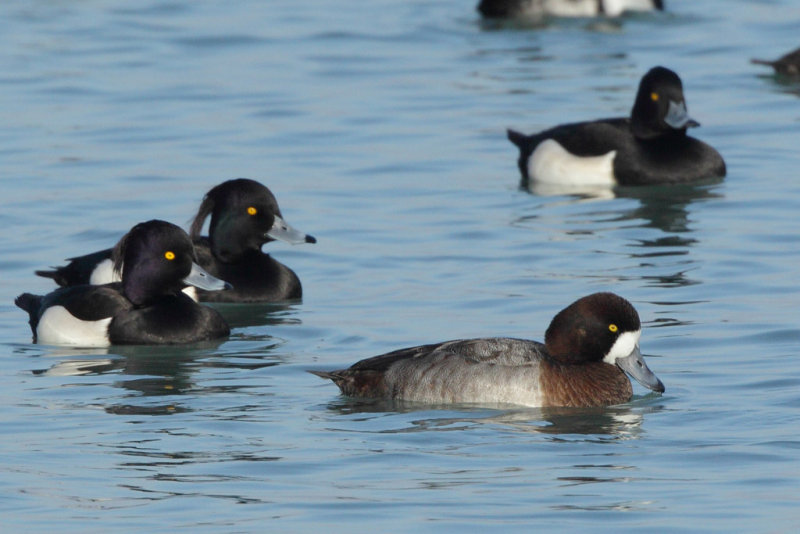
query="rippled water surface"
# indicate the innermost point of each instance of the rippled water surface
(380, 127)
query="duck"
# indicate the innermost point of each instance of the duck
(244, 216)
(588, 348)
(564, 8)
(648, 148)
(155, 260)
(788, 64)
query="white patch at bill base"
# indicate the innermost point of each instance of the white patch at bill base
(623, 346)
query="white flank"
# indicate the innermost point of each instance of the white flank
(624, 345)
(574, 8)
(615, 8)
(59, 327)
(550, 163)
(583, 8)
(103, 274)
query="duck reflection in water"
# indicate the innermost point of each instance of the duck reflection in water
(605, 423)
(662, 256)
(149, 372)
(258, 313)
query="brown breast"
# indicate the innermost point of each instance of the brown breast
(594, 384)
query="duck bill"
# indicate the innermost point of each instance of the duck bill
(677, 116)
(283, 231)
(199, 277)
(635, 366)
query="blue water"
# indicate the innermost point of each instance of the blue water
(380, 127)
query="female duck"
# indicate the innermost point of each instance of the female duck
(650, 147)
(244, 216)
(788, 64)
(588, 348)
(146, 307)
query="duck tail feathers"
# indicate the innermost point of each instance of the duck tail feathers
(519, 139)
(29, 302)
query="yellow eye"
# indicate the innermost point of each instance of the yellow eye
(613, 327)
(654, 97)
(169, 255)
(251, 210)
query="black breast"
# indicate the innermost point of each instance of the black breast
(255, 277)
(170, 320)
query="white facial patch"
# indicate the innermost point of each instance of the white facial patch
(103, 274)
(59, 327)
(624, 345)
(552, 164)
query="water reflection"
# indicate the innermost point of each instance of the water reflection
(149, 372)
(594, 423)
(654, 222)
(783, 83)
(259, 314)
(582, 192)
(665, 207)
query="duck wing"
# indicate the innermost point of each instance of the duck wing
(79, 269)
(389, 374)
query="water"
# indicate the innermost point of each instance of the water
(380, 128)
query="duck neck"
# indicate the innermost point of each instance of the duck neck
(649, 131)
(230, 247)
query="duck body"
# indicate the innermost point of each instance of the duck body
(563, 8)
(256, 277)
(75, 315)
(605, 152)
(172, 319)
(484, 371)
(648, 148)
(100, 315)
(569, 369)
(146, 307)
